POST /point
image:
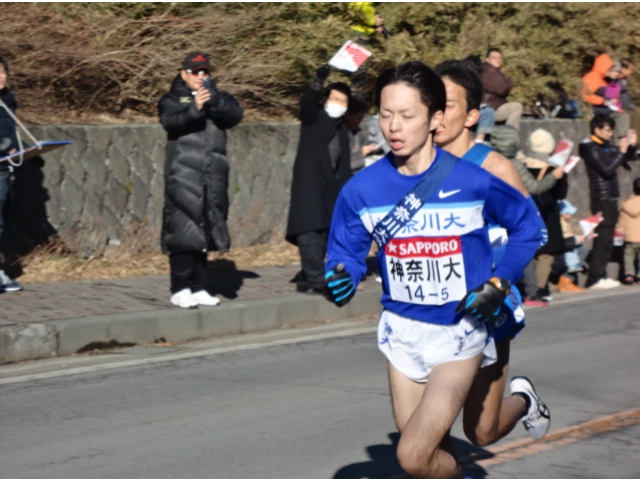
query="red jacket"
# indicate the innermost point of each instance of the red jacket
(595, 79)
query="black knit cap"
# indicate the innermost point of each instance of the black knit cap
(196, 61)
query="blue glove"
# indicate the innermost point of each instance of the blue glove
(484, 303)
(340, 286)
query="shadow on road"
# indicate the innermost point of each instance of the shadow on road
(384, 464)
(223, 279)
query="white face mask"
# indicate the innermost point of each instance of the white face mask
(335, 110)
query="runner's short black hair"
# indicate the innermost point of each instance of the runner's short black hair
(491, 50)
(599, 121)
(460, 73)
(419, 76)
(6, 65)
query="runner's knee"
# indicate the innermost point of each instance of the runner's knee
(479, 436)
(415, 461)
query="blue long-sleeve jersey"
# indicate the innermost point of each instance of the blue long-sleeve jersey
(444, 250)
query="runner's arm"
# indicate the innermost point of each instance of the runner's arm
(505, 206)
(502, 168)
(349, 241)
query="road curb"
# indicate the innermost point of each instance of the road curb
(57, 338)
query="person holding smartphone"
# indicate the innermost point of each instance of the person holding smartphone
(195, 115)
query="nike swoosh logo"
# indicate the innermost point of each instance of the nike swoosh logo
(443, 194)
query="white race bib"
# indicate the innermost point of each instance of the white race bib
(426, 270)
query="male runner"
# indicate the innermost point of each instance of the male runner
(487, 417)
(434, 258)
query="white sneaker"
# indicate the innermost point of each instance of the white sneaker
(604, 283)
(536, 419)
(7, 284)
(203, 298)
(183, 299)
(612, 282)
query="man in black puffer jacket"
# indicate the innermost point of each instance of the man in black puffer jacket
(195, 115)
(602, 159)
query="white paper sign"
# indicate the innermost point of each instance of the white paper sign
(561, 153)
(349, 57)
(589, 224)
(572, 162)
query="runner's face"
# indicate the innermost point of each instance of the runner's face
(404, 120)
(456, 118)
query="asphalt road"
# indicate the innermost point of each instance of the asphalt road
(314, 403)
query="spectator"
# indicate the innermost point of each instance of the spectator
(497, 87)
(540, 145)
(486, 121)
(487, 118)
(594, 93)
(601, 160)
(629, 224)
(195, 115)
(321, 168)
(628, 105)
(367, 22)
(506, 141)
(361, 146)
(613, 89)
(376, 136)
(570, 263)
(8, 145)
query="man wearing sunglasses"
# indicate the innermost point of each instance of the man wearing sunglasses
(195, 115)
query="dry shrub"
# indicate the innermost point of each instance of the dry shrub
(111, 62)
(119, 59)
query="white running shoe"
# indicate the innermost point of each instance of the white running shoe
(7, 284)
(605, 283)
(183, 299)
(612, 282)
(537, 418)
(203, 298)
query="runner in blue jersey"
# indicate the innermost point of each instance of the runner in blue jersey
(487, 416)
(429, 214)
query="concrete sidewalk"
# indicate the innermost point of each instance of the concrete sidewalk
(56, 319)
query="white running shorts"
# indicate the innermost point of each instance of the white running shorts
(414, 348)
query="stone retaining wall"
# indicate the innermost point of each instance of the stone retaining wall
(111, 178)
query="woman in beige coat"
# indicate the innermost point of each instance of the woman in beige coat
(629, 224)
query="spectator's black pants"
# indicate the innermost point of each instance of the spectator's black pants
(313, 249)
(603, 243)
(187, 271)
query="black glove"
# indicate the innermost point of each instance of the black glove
(340, 286)
(323, 72)
(484, 303)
